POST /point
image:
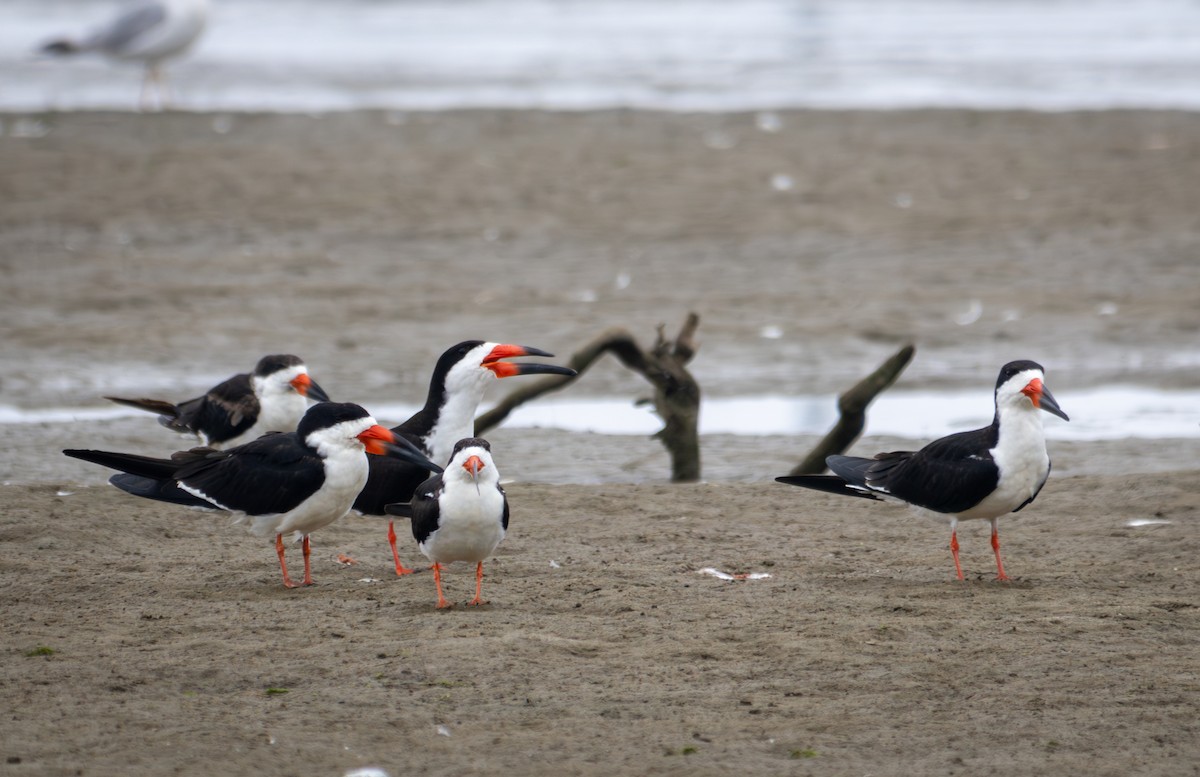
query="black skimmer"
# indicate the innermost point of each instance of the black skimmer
(150, 32)
(459, 515)
(985, 473)
(273, 398)
(461, 376)
(296, 482)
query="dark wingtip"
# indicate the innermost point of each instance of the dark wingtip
(60, 47)
(403, 509)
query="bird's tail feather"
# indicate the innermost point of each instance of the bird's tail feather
(403, 509)
(831, 484)
(145, 466)
(158, 406)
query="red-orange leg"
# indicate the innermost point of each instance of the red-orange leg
(437, 580)
(400, 568)
(954, 550)
(996, 547)
(287, 581)
(478, 586)
(307, 565)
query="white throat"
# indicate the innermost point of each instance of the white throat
(455, 421)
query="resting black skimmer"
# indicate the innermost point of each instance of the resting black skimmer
(985, 473)
(296, 482)
(273, 398)
(461, 376)
(459, 515)
(148, 31)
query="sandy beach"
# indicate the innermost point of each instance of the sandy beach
(161, 253)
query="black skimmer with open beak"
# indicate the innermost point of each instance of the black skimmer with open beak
(459, 515)
(461, 376)
(273, 398)
(985, 473)
(278, 484)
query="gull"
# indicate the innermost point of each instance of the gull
(148, 31)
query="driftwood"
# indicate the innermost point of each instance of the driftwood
(852, 406)
(676, 393)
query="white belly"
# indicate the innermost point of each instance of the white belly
(345, 476)
(470, 528)
(1024, 465)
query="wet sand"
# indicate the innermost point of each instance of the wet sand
(166, 252)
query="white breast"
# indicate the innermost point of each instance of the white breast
(470, 526)
(1020, 455)
(345, 476)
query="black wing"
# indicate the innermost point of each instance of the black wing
(160, 490)
(148, 477)
(504, 519)
(949, 475)
(224, 412)
(270, 475)
(390, 481)
(422, 508)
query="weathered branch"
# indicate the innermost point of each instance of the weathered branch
(852, 406)
(676, 393)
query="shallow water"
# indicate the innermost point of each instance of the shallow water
(1106, 413)
(308, 55)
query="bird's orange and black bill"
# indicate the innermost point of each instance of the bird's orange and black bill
(381, 441)
(307, 387)
(503, 369)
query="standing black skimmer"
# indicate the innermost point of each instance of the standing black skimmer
(271, 399)
(296, 482)
(985, 473)
(459, 515)
(461, 376)
(150, 32)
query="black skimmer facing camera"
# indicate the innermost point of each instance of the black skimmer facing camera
(278, 484)
(461, 376)
(271, 399)
(985, 473)
(459, 515)
(150, 32)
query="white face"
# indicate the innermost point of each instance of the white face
(466, 383)
(1015, 392)
(279, 383)
(467, 375)
(479, 459)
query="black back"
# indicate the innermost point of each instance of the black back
(949, 475)
(270, 475)
(227, 410)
